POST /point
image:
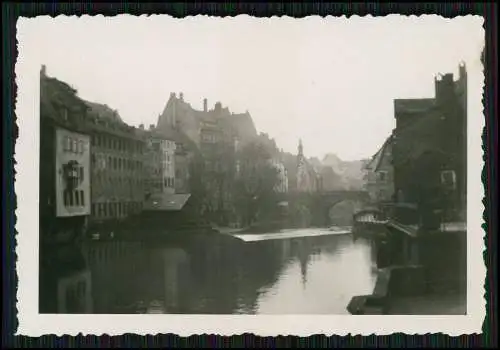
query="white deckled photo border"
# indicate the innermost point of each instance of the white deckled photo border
(31, 323)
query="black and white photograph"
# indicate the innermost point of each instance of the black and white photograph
(304, 172)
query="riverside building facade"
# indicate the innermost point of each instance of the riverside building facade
(117, 165)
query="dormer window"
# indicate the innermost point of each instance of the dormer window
(382, 176)
(449, 179)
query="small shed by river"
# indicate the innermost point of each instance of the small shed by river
(169, 211)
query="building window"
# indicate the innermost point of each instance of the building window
(80, 173)
(382, 176)
(66, 144)
(67, 197)
(74, 198)
(82, 198)
(74, 146)
(448, 179)
(64, 113)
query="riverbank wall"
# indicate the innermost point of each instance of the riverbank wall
(436, 270)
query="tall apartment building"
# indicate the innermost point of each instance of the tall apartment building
(64, 201)
(117, 165)
(282, 174)
(64, 158)
(159, 162)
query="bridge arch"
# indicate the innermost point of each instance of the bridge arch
(325, 208)
(341, 212)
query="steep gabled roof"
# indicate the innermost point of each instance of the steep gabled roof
(419, 137)
(54, 93)
(373, 163)
(413, 105)
(383, 152)
(242, 124)
(104, 112)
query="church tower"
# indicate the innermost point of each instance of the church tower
(300, 155)
(301, 169)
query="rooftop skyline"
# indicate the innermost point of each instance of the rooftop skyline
(330, 82)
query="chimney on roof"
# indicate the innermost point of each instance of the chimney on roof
(444, 89)
(462, 71)
(205, 106)
(141, 126)
(181, 96)
(172, 95)
(218, 107)
(43, 71)
(151, 126)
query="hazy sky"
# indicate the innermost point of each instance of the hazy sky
(329, 81)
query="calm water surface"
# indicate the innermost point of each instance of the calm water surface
(221, 274)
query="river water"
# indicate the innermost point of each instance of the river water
(221, 274)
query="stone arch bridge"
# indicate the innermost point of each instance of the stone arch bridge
(320, 204)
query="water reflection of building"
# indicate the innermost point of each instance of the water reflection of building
(304, 259)
(227, 276)
(116, 268)
(203, 274)
(175, 274)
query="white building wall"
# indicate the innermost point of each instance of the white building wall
(168, 161)
(72, 173)
(282, 185)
